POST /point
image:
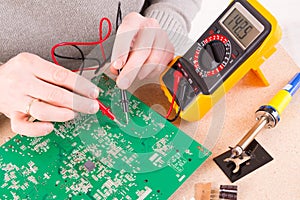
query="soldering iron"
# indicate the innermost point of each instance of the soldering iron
(248, 154)
(268, 115)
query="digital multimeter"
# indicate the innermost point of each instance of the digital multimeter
(242, 37)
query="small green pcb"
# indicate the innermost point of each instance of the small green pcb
(92, 157)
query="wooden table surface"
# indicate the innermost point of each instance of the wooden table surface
(228, 122)
(279, 179)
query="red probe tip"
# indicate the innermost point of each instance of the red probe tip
(106, 111)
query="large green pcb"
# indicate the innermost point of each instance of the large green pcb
(91, 157)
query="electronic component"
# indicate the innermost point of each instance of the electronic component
(89, 165)
(240, 40)
(91, 157)
(204, 191)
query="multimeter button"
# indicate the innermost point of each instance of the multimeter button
(235, 52)
(213, 30)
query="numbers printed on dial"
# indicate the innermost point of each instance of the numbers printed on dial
(212, 55)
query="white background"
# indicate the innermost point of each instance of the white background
(286, 12)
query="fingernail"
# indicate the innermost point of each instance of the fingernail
(123, 83)
(48, 128)
(118, 64)
(95, 92)
(94, 107)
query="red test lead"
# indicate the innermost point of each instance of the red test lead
(106, 111)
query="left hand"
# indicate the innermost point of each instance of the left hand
(141, 48)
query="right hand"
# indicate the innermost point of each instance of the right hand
(61, 93)
(141, 49)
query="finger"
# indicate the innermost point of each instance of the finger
(114, 71)
(60, 76)
(140, 53)
(21, 125)
(169, 56)
(61, 97)
(160, 56)
(124, 38)
(46, 112)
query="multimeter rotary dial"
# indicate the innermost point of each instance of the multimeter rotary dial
(212, 55)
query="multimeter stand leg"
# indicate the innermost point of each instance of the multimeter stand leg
(261, 76)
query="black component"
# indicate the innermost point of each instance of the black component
(89, 165)
(228, 192)
(229, 187)
(226, 195)
(259, 157)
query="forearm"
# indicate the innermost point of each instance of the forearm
(174, 16)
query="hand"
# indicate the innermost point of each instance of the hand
(141, 48)
(50, 92)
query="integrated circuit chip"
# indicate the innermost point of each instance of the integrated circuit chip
(89, 165)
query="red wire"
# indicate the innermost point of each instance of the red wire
(171, 106)
(105, 110)
(99, 42)
(177, 76)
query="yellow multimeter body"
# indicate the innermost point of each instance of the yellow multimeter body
(240, 40)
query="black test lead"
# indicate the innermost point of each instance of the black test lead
(124, 99)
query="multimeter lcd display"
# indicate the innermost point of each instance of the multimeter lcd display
(241, 28)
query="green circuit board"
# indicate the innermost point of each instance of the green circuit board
(92, 157)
